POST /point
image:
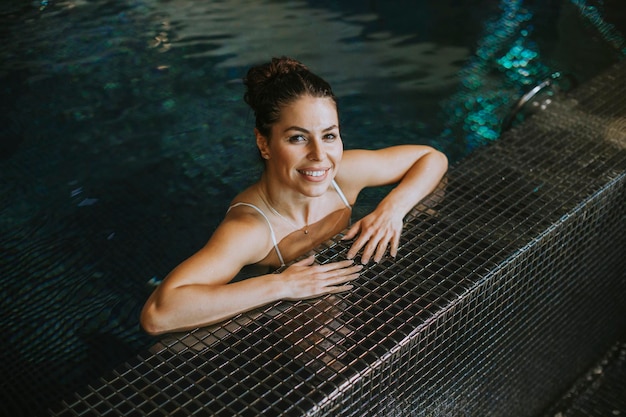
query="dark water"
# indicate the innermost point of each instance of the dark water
(124, 136)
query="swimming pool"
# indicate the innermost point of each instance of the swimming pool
(124, 136)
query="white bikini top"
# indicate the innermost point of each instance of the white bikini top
(272, 234)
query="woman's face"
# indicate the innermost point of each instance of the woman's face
(305, 148)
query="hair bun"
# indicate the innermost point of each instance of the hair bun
(262, 77)
(285, 65)
(273, 85)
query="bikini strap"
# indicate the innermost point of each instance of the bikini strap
(280, 256)
(341, 195)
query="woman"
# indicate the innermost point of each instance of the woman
(302, 199)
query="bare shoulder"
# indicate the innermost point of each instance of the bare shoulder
(244, 230)
(242, 238)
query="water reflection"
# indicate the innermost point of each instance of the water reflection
(241, 33)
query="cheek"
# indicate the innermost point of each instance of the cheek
(285, 156)
(337, 152)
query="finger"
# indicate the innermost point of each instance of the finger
(334, 266)
(369, 249)
(381, 249)
(395, 244)
(333, 281)
(352, 272)
(375, 248)
(357, 245)
(353, 231)
(342, 288)
(342, 275)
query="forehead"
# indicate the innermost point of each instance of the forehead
(311, 112)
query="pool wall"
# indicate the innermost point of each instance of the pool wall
(509, 285)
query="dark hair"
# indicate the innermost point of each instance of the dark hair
(275, 84)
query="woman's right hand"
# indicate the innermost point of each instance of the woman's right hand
(306, 279)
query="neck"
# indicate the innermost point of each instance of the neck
(295, 211)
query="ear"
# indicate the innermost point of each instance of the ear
(262, 144)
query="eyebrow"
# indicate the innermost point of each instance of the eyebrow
(301, 129)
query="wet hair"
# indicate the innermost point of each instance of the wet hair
(276, 84)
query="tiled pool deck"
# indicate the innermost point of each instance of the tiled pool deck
(508, 289)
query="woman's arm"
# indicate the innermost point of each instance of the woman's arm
(198, 292)
(417, 170)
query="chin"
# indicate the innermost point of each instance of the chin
(316, 190)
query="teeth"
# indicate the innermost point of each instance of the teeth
(313, 173)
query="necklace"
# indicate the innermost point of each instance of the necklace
(295, 226)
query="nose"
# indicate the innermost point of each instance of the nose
(316, 150)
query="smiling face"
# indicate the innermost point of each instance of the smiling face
(305, 148)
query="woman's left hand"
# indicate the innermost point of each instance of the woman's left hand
(376, 232)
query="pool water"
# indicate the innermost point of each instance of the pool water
(124, 136)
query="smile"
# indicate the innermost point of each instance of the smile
(313, 173)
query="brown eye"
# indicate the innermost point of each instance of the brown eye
(297, 139)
